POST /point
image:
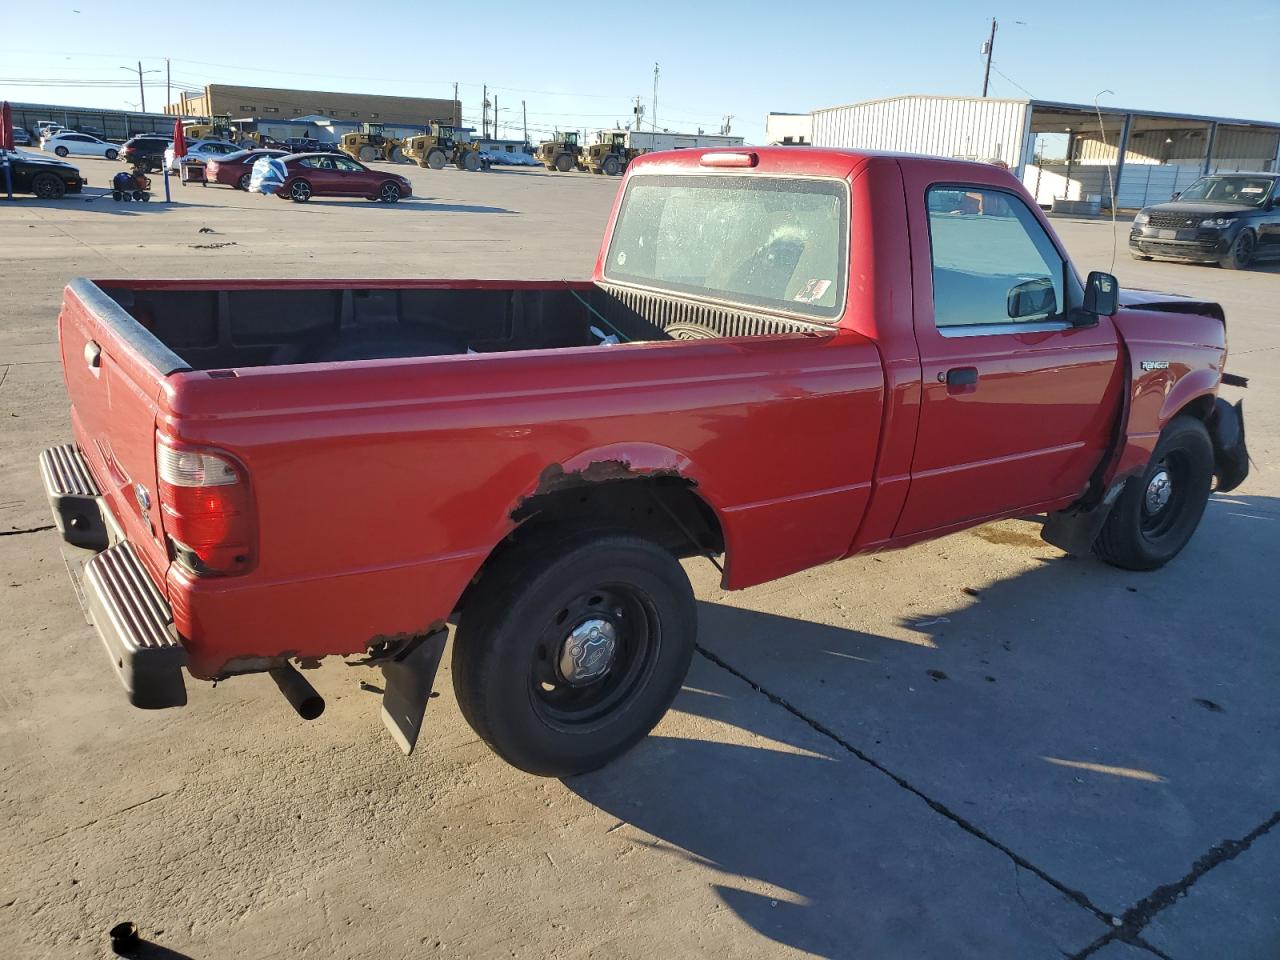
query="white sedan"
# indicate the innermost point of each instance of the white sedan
(202, 151)
(79, 144)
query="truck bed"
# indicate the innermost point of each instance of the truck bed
(208, 325)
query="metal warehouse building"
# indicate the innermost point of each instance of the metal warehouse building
(1058, 149)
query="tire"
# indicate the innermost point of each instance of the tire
(611, 167)
(470, 161)
(1242, 252)
(509, 654)
(436, 159)
(564, 163)
(390, 192)
(368, 154)
(48, 187)
(397, 155)
(300, 191)
(1138, 256)
(113, 155)
(244, 181)
(1151, 523)
(60, 151)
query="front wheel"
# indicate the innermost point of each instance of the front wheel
(48, 187)
(300, 192)
(60, 151)
(436, 159)
(245, 180)
(611, 167)
(1158, 511)
(1240, 256)
(113, 155)
(564, 163)
(570, 651)
(390, 192)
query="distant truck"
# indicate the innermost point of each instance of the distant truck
(812, 354)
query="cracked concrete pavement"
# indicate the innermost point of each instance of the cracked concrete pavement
(974, 748)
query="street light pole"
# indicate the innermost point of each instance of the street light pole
(142, 93)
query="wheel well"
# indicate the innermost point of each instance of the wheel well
(664, 509)
(1201, 408)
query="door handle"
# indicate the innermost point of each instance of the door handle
(962, 377)
(92, 355)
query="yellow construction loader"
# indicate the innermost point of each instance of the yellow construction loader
(560, 153)
(610, 155)
(371, 144)
(441, 146)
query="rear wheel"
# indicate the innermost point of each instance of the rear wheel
(1240, 256)
(471, 161)
(396, 155)
(571, 650)
(60, 151)
(436, 159)
(564, 163)
(368, 154)
(300, 192)
(113, 154)
(611, 167)
(390, 192)
(48, 187)
(1159, 511)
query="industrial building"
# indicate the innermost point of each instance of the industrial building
(665, 140)
(788, 130)
(1059, 150)
(266, 103)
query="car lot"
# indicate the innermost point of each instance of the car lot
(974, 748)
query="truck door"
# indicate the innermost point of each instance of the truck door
(1017, 401)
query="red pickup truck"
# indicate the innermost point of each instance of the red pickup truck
(784, 357)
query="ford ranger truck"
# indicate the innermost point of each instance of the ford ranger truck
(784, 357)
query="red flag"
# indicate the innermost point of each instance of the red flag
(6, 126)
(179, 141)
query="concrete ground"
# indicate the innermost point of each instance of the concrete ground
(975, 748)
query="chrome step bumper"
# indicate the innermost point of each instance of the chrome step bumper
(129, 613)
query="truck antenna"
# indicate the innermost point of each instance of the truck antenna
(1111, 173)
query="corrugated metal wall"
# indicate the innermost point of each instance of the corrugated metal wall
(937, 126)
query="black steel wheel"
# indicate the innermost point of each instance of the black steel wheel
(570, 651)
(1242, 251)
(300, 191)
(46, 186)
(1158, 512)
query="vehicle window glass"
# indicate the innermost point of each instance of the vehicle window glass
(772, 242)
(347, 165)
(1251, 190)
(992, 260)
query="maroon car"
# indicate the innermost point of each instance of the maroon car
(333, 175)
(234, 169)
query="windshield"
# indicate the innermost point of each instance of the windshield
(1250, 190)
(762, 241)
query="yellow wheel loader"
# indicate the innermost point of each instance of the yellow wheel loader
(561, 153)
(610, 157)
(442, 146)
(371, 144)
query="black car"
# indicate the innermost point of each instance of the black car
(1227, 218)
(146, 150)
(46, 177)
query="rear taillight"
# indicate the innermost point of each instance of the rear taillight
(207, 510)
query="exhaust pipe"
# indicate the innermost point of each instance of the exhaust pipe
(302, 696)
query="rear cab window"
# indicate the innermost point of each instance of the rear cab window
(778, 243)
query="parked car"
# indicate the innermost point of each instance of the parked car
(811, 360)
(309, 145)
(146, 150)
(80, 144)
(21, 138)
(47, 128)
(1231, 219)
(334, 175)
(47, 178)
(200, 152)
(235, 169)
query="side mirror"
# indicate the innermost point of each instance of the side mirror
(1033, 299)
(1176, 195)
(1101, 294)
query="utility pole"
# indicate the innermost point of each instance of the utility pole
(142, 93)
(457, 111)
(524, 119)
(638, 110)
(495, 116)
(988, 48)
(653, 118)
(168, 93)
(725, 127)
(484, 113)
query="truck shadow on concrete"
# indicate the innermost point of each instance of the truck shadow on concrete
(1101, 723)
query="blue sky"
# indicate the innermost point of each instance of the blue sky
(580, 66)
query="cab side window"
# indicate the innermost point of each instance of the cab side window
(993, 263)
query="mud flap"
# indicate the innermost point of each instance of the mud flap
(409, 679)
(1076, 528)
(1230, 456)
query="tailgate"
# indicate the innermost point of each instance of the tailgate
(115, 370)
